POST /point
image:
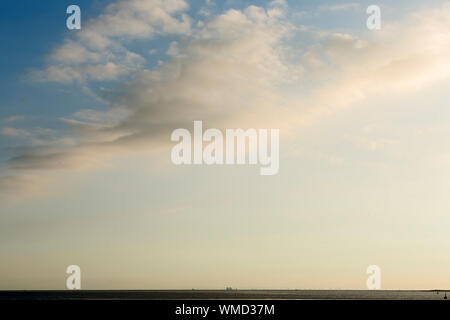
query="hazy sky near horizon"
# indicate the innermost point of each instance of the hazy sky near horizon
(86, 116)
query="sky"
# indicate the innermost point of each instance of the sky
(86, 117)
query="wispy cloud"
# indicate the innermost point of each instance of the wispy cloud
(340, 7)
(97, 52)
(238, 69)
(13, 132)
(14, 118)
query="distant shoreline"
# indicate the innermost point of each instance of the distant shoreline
(235, 294)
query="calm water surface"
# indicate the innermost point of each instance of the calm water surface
(223, 294)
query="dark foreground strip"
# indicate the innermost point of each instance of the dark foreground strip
(222, 309)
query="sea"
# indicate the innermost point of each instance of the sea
(224, 295)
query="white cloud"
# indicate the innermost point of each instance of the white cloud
(97, 53)
(401, 57)
(14, 118)
(13, 132)
(340, 7)
(239, 70)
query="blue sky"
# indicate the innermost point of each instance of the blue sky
(30, 29)
(86, 116)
